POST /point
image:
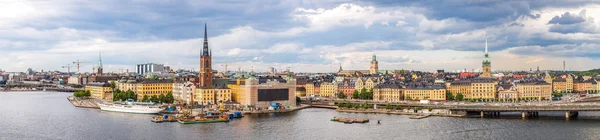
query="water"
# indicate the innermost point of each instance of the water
(47, 115)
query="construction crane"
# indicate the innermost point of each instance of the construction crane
(225, 67)
(68, 66)
(78, 64)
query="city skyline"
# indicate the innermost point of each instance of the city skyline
(306, 36)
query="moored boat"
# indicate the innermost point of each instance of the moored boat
(350, 120)
(131, 107)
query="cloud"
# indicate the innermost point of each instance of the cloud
(568, 18)
(571, 23)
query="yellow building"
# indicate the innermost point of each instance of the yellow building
(153, 87)
(100, 90)
(569, 83)
(359, 84)
(460, 86)
(310, 89)
(212, 96)
(559, 85)
(437, 93)
(537, 90)
(371, 83)
(388, 92)
(582, 86)
(300, 91)
(482, 88)
(127, 84)
(237, 92)
(547, 78)
(329, 89)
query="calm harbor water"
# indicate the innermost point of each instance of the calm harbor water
(48, 115)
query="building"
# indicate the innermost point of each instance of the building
(429, 92)
(127, 84)
(374, 65)
(388, 92)
(102, 78)
(153, 87)
(206, 74)
(486, 64)
(148, 68)
(261, 92)
(460, 86)
(347, 88)
(212, 96)
(329, 89)
(100, 90)
(563, 84)
(539, 90)
(582, 86)
(482, 88)
(237, 89)
(477, 88)
(183, 91)
(507, 91)
(300, 91)
(310, 89)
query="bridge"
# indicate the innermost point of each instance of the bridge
(571, 110)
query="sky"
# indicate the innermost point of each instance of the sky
(303, 35)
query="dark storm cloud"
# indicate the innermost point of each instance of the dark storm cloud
(567, 18)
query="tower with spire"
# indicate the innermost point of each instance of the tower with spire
(340, 68)
(486, 64)
(374, 65)
(205, 74)
(100, 68)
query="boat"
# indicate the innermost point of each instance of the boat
(419, 116)
(209, 117)
(131, 107)
(236, 114)
(349, 120)
(164, 118)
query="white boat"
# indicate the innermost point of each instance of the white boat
(131, 107)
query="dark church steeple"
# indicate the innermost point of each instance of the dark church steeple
(205, 51)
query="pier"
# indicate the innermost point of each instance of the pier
(83, 103)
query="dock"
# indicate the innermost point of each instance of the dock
(83, 103)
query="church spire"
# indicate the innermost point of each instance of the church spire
(100, 60)
(486, 44)
(205, 51)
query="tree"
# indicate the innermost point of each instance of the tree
(460, 97)
(355, 95)
(388, 106)
(449, 95)
(116, 95)
(398, 107)
(87, 93)
(113, 85)
(161, 98)
(78, 94)
(298, 100)
(369, 95)
(154, 77)
(341, 95)
(363, 91)
(154, 98)
(145, 98)
(169, 98)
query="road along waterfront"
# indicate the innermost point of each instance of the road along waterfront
(47, 115)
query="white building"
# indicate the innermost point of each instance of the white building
(149, 67)
(183, 91)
